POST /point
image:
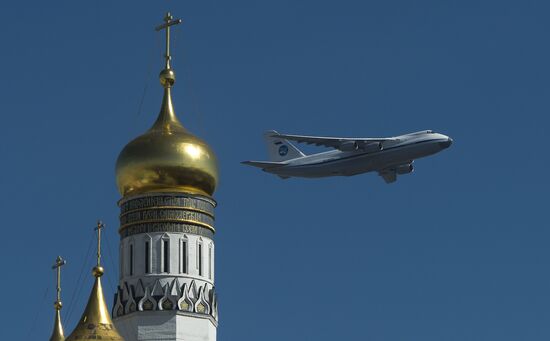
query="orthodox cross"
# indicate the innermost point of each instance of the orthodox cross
(168, 21)
(99, 227)
(59, 262)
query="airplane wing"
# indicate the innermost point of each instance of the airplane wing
(388, 175)
(263, 164)
(335, 142)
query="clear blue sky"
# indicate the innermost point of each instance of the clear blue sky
(456, 251)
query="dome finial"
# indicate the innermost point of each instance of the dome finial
(98, 269)
(57, 334)
(167, 76)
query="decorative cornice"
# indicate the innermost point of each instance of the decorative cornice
(189, 298)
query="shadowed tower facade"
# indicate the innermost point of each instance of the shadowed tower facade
(166, 178)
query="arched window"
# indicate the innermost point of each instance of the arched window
(199, 257)
(210, 261)
(183, 254)
(147, 254)
(165, 251)
(131, 260)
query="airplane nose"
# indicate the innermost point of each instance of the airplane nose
(446, 144)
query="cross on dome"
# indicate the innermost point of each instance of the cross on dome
(59, 262)
(98, 269)
(168, 21)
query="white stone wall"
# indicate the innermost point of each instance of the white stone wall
(173, 324)
(166, 325)
(166, 299)
(156, 257)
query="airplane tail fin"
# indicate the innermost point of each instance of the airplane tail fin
(280, 149)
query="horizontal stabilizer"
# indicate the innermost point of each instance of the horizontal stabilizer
(264, 164)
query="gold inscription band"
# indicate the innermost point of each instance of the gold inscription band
(185, 221)
(198, 210)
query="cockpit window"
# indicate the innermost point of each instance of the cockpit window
(422, 132)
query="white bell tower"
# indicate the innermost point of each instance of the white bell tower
(166, 287)
(166, 178)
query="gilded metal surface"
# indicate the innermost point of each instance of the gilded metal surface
(96, 323)
(167, 158)
(57, 334)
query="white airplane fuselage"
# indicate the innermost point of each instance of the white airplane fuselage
(403, 151)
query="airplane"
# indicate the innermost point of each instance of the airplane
(389, 156)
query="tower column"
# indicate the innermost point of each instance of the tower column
(166, 178)
(167, 267)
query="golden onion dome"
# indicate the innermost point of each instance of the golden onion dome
(167, 158)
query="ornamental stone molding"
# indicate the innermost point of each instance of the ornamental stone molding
(188, 298)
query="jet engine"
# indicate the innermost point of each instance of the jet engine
(404, 169)
(372, 147)
(349, 146)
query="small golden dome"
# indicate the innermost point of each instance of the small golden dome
(95, 322)
(167, 158)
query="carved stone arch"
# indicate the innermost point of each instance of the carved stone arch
(147, 302)
(118, 309)
(185, 303)
(131, 305)
(202, 306)
(167, 302)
